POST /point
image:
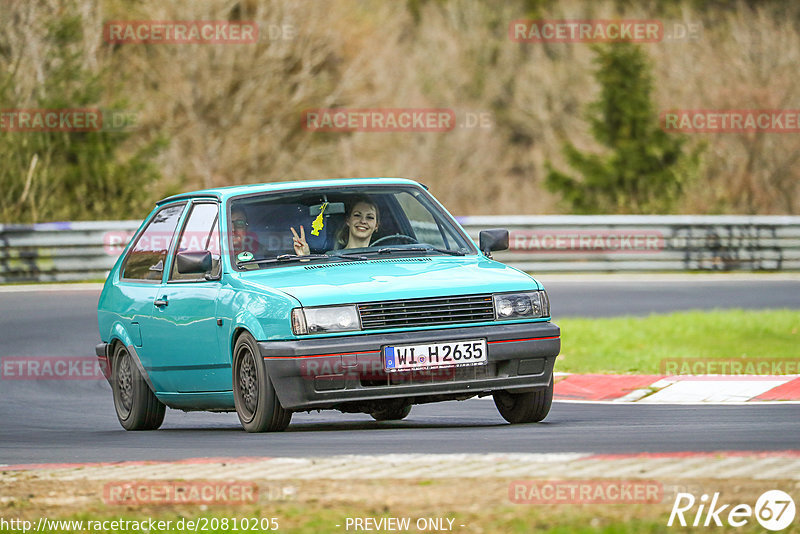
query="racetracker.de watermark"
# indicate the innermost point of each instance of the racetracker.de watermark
(729, 366)
(151, 492)
(348, 367)
(115, 241)
(586, 241)
(393, 120)
(731, 120)
(602, 31)
(585, 492)
(379, 120)
(67, 120)
(50, 368)
(181, 32)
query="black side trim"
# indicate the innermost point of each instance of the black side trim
(189, 367)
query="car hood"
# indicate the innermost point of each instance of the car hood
(391, 279)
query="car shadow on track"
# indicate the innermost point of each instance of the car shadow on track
(344, 426)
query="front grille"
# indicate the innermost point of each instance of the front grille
(426, 312)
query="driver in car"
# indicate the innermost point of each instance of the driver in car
(360, 223)
(239, 236)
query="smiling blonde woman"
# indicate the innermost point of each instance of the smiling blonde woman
(361, 221)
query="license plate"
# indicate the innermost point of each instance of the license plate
(435, 355)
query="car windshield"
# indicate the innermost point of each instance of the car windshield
(339, 224)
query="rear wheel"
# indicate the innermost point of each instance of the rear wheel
(392, 412)
(529, 407)
(137, 407)
(254, 395)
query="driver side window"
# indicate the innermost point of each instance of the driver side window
(200, 234)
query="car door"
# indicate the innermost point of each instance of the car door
(140, 278)
(183, 324)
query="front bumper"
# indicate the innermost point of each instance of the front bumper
(335, 372)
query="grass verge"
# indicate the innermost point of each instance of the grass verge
(639, 344)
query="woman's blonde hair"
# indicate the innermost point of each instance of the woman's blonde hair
(342, 234)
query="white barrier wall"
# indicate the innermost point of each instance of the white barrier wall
(555, 243)
(568, 243)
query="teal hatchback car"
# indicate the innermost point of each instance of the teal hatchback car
(359, 295)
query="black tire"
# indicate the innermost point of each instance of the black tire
(254, 395)
(529, 407)
(391, 412)
(136, 406)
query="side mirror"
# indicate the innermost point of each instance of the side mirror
(494, 239)
(194, 262)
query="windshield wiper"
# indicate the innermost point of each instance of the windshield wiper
(389, 250)
(355, 256)
(351, 256)
(284, 258)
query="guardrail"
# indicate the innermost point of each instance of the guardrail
(569, 243)
(555, 243)
(62, 251)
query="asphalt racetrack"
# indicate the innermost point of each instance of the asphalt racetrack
(74, 421)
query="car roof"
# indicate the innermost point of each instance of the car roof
(223, 193)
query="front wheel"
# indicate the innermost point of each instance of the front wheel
(254, 395)
(529, 407)
(137, 407)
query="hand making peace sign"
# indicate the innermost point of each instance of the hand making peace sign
(300, 245)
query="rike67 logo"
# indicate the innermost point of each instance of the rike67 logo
(774, 510)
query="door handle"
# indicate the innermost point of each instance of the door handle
(161, 302)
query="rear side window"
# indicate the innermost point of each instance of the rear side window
(200, 233)
(146, 258)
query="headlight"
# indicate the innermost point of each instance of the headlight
(533, 304)
(325, 319)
